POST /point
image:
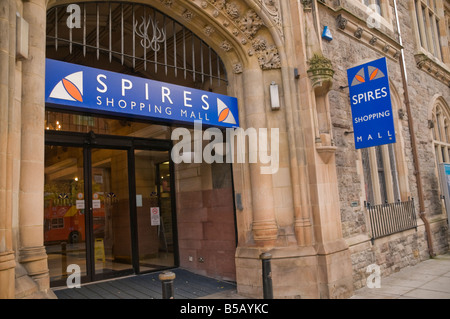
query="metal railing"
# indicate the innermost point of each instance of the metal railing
(390, 218)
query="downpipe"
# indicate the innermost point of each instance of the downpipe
(413, 138)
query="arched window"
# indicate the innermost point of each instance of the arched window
(440, 128)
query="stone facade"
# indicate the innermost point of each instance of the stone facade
(310, 214)
(351, 45)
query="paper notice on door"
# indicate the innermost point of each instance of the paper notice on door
(80, 203)
(138, 200)
(96, 203)
(154, 216)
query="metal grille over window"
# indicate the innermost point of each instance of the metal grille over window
(134, 35)
(390, 218)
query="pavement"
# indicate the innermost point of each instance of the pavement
(429, 279)
(186, 285)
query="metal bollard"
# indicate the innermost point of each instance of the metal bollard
(167, 278)
(64, 257)
(267, 275)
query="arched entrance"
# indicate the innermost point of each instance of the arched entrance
(106, 174)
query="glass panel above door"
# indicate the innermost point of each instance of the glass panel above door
(59, 121)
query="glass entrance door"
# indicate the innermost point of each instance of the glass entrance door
(108, 206)
(154, 210)
(110, 211)
(64, 210)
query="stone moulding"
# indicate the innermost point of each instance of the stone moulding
(326, 152)
(426, 64)
(272, 8)
(7, 260)
(358, 30)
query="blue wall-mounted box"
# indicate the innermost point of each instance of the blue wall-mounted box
(327, 34)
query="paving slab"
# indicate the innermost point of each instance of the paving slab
(429, 279)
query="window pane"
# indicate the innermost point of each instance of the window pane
(438, 123)
(378, 6)
(394, 172)
(438, 31)
(59, 121)
(433, 35)
(446, 132)
(381, 173)
(418, 12)
(367, 176)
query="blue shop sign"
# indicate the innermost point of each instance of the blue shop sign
(80, 88)
(373, 122)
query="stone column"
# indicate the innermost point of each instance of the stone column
(32, 254)
(265, 229)
(7, 257)
(333, 257)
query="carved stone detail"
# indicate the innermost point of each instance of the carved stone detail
(238, 68)
(250, 24)
(341, 22)
(272, 7)
(167, 3)
(188, 15)
(219, 4)
(244, 24)
(226, 46)
(359, 32)
(268, 56)
(209, 30)
(232, 10)
(307, 5)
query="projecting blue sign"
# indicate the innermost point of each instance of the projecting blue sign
(373, 122)
(81, 88)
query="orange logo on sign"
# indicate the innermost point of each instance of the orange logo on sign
(374, 74)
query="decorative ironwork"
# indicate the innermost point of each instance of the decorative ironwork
(136, 36)
(158, 35)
